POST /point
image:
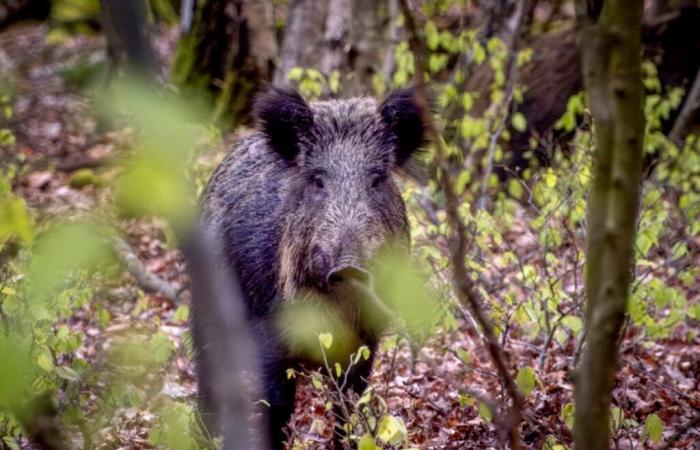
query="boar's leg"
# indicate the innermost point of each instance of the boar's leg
(279, 391)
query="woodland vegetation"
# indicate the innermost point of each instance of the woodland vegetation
(554, 297)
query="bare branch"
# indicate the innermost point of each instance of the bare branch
(147, 280)
(464, 287)
(691, 109)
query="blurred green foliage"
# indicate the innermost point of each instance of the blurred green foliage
(60, 270)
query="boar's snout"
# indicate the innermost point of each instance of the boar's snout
(346, 273)
(348, 263)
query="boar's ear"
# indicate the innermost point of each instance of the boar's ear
(283, 117)
(405, 120)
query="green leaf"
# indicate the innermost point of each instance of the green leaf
(67, 373)
(326, 340)
(519, 122)
(550, 178)
(14, 219)
(182, 313)
(526, 380)
(367, 443)
(364, 350)
(617, 417)
(392, 430)
(463, 354)
(479, 53)
(567, 415)
(338, 370)
(653, 427)
(295, 74)
(573, 323)
(485, 412)
(432, 36)
(334, 82)
(316, 381)
(45, 362)
(515, 189)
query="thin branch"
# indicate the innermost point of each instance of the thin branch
(464, 287)
(690, 109)
(147, 280)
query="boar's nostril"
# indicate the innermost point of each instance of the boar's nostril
(347, 273)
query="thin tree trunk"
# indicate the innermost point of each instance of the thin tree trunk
(610, 35)
(394, 39)
(128, 40)
(337, 35)
(303, 37)
(347, 36)
(229, 52)
(227, 358)
(689, 113)
(370, 42)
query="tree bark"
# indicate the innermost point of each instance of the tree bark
(689, 115)
(370, 42)
(337, 35)
(610, 33)
(128, 41)
(347, 36)
(303, 37)
(229, 52)
(227, 358)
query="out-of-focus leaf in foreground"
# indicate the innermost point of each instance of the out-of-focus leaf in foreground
(154, 181)
(402, 287)
(66, 247)
(15, 375)
(312, 325)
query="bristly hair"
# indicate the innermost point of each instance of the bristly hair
(284, 117)
(406, 121)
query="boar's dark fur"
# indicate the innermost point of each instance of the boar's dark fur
(303, 204)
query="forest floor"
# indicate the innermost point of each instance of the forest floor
(57, 132)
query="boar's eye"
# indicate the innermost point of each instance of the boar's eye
(377, 178)
(317, 180)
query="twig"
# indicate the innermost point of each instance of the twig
(463, 284)
(148, 281)
(690, 108)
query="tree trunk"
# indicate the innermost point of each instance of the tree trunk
(612, 77)
(227, 362)
(349, 37)
(370, 42)
(303, 37)
(128, 41)
(229, 52)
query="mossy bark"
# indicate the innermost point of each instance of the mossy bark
(229, 52)
(610, 37)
